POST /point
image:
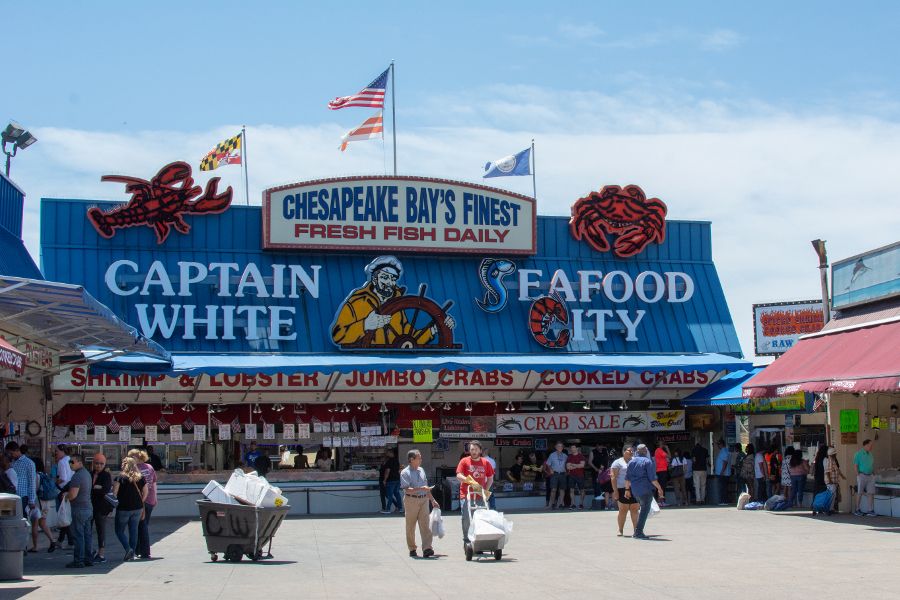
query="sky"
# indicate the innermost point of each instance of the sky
(778, 122)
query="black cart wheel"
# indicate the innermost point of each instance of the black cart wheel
(469, 552)
(498, 554)
(234, 553)
(214, 557)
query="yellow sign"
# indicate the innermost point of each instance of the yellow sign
(793, 403)
(422, 432)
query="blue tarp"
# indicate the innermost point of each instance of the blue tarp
(725, 391)
(195, 364)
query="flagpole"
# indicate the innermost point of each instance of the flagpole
(533, 164)
(394, 116)
(244, 160)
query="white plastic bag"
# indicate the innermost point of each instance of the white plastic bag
(436, 523)
(64, 513)
(654, 507)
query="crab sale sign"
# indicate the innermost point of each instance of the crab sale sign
(412, 214)
(589, 422)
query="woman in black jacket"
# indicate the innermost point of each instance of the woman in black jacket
(102, 485)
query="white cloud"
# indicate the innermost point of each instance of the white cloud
(768, 179)
(721, 39)
(580, 31)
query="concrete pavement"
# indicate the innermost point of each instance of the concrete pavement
(697, 553)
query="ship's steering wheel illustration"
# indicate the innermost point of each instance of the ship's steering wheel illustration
(424, 319)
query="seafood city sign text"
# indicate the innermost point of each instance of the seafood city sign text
(398, 214)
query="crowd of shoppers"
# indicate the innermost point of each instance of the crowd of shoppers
(92, 495)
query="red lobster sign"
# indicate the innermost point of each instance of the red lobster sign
(625, 213)
(160, 203)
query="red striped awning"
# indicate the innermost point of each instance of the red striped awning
(11, 357)
(864, 359)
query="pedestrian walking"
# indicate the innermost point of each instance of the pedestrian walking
(416, 502)
(79, 495)
(676, 476)
(101, 486)
(865, 478)
(723, 470)
(130, 489)
(833, 475)
(23, 476)
(819, 484)
(392, 482)
(662, 457)
(472, 468)
(786, 473)
(556, 464)
(700, 456)
(575, 464)
(627, 503)
(640, 481)
(63, 475)
(748, 470)
(761, 474)
(149, 473)
(798, 468)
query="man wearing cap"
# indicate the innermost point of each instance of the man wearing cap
(359, 314)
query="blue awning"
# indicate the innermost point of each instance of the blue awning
(723, 392)
(65, 317)
(195, 364)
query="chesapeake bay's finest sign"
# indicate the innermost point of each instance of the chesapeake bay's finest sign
(397, 214)
(590, 422)
(776, 327)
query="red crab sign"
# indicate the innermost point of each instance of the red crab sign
(622, 212)
(160, 203)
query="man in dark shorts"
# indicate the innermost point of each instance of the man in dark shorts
(575, 466)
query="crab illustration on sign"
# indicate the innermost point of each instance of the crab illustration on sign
(491, 273)
(623, 212)
(381, 315)
(160, 203)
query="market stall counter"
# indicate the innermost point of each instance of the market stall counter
(309, 492)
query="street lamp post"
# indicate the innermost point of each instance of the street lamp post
(18, 138)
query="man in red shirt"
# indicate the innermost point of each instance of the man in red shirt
(478, 469)
(661, 458)
(575, 469)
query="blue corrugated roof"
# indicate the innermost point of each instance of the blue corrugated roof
(726, 390)
(72, 251)
(15, 261)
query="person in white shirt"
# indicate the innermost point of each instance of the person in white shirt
(617, 477)
(492, 502)
(63, 475)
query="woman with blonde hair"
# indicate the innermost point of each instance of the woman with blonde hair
(149, 473)
(130, 489)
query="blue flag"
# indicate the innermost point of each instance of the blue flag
(514, 164)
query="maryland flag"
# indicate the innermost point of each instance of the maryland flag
(226, 153)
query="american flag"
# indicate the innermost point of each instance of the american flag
(819, 402)
(371, 97)
(373, 127)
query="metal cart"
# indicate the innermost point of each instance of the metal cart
(237, 530)
(476, 501)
